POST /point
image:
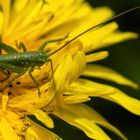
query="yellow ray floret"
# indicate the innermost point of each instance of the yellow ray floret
(108, 74)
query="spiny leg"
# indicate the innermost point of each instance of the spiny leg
(34, 80)
(21, 46)
(52, 41)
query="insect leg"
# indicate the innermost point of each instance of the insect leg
(34, 80)
(6, 73)
(7, 48)
(10, 67)
(52, 72)
(53, 81)
(22, 46)
(52, 41)
(55, 96)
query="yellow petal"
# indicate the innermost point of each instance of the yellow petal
(24, 100)
(69, 69)
(103, 13)
(93, 40)
(107, 74)
(71, 115)
(78, 65)
(129, 103)
(14, 120)
(37, 132)
(73, 99)
(62, 74)
(6, 13)
(91, 114)
(96, 56)
(89, 88)
(119, 97)
(117, 37)
(4, 102)
(1, 21)
(44, 118)
(18, 5)
(6, 131)
(66, 22)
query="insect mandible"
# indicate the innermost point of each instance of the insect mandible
(21, 62)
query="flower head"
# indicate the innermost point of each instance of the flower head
(63, 91)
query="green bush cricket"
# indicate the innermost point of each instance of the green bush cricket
(21, 62)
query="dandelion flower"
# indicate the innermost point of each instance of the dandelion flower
(63, 92)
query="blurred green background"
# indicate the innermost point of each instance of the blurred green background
(125, 58)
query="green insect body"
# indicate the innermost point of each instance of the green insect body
(25, 59)
(21, 62)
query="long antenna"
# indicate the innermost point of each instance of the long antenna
(98, 25)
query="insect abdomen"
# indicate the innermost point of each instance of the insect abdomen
(36, 57)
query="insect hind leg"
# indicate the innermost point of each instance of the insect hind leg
(34, 80)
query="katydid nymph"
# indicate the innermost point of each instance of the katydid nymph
(27, 61)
